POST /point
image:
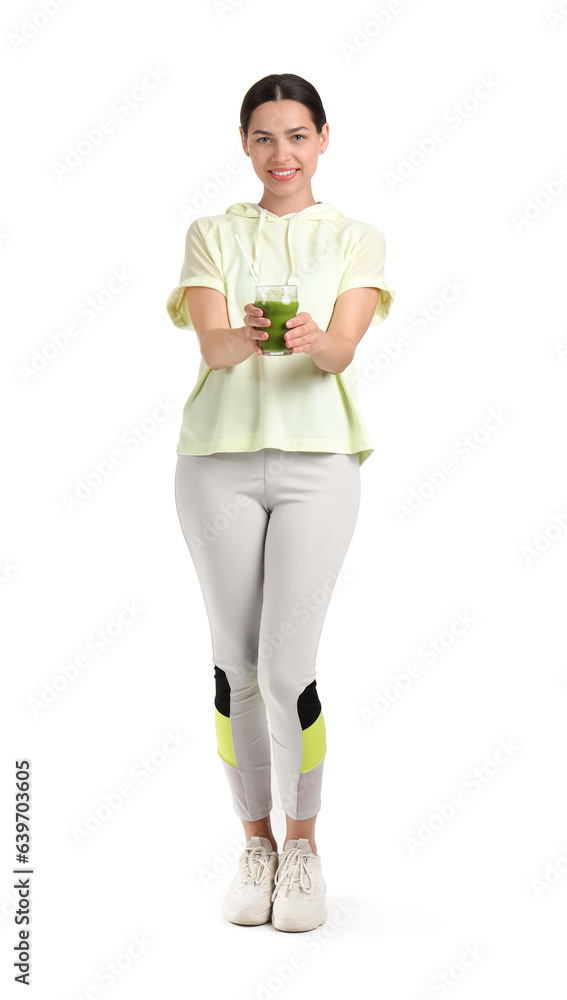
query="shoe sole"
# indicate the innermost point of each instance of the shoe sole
(247, 919)
(291, 924)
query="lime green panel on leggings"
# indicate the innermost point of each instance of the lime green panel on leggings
(314, 744)
(224, 738)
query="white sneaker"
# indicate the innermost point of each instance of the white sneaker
(299, 889)
(249, 896)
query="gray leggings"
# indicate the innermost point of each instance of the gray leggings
(268, 532)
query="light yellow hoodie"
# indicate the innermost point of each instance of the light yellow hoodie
(283, 401)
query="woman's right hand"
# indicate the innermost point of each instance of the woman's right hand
(255, 324)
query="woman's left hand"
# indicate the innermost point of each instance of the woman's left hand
(303, 335)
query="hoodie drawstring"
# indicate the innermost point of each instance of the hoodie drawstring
(257, 244)
(290, 229)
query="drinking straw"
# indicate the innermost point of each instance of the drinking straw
(252, 272)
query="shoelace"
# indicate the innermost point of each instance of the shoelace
(292, 865)
(256, 864)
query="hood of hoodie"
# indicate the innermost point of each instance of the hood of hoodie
(321, 210)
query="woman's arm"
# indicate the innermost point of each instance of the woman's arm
(221, 345)
(333, 350)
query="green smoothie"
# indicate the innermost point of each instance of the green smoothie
(278, 314)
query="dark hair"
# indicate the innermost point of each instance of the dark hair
(282, 87)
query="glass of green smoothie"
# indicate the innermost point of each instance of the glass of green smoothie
(279, 304)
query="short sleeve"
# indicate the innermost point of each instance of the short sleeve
(202, 265)
(365, 269)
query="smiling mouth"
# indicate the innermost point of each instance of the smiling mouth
(283, 173)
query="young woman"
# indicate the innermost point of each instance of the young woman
(267, 482)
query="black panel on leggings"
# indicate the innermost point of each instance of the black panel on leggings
(222, 696)
(308, 705)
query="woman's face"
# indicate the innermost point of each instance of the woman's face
(282, 137)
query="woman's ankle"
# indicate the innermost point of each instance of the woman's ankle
(301, 829)
(259, 829)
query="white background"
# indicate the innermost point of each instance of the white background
(491, 879)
